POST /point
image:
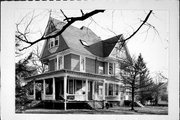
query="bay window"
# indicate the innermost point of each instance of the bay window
(111, 89)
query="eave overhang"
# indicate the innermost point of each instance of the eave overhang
(69, 73)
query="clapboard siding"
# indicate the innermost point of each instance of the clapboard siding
(67, 61)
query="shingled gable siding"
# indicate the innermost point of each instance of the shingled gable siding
(67, 62)
(75, 62)
(62, 46)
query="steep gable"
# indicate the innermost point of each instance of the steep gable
(120, 52)
(72, 39)
(61, 47)
(103, 48)
(50, 27)
(109, 45)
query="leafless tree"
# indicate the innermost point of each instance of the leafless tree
(41, 68)
(131, 70)
(69, 20)
(23, 35)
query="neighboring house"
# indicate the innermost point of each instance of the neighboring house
(163, 94)
(82, 67)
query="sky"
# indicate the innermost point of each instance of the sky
(151, 43)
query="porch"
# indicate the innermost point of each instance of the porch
(67, 88)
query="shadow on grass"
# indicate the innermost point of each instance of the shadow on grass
(58, 108)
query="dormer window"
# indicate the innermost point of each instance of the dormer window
(84, 43)
(53, 42)
(57, 41)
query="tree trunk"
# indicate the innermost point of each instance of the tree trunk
(133, 91)
(132, 104)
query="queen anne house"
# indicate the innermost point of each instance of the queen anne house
(81, 67)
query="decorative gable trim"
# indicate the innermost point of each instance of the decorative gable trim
(50, 27)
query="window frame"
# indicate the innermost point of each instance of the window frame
(102, 70)
(82, 66)
(113, 69)
(56, 39)
(68, 91)
(114, 91)
(52, 42)
(60, 67)
(50, 87)
(110, 91)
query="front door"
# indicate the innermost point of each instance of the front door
(89, 90)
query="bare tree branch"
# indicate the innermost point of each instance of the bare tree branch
(82, 12)
(144, 21)
(70, 20)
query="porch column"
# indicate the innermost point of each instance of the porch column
(65, 91)
(104, 89)
(93, 96)
(86, 90)
(57, 67)
(44, 89)
(34, 89)
(53, 88)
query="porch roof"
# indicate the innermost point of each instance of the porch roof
(71, 74)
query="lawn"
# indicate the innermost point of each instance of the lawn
(114, 110)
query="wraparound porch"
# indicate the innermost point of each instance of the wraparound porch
(67, 87)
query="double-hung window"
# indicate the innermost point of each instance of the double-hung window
(53, 42)
(82, 65)
(60, 62)
(57, 41)
(111, 68)
(113, 89)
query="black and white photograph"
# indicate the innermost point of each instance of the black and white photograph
(91, 61)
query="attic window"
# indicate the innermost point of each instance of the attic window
(84, 43)
(53, 42)
(57, 41)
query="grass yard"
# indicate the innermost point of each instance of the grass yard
(115, 110)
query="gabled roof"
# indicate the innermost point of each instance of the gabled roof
(103, 48)
(72, 36)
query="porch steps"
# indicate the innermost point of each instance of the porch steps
(95, 104)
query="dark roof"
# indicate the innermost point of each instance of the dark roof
(72, 36)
